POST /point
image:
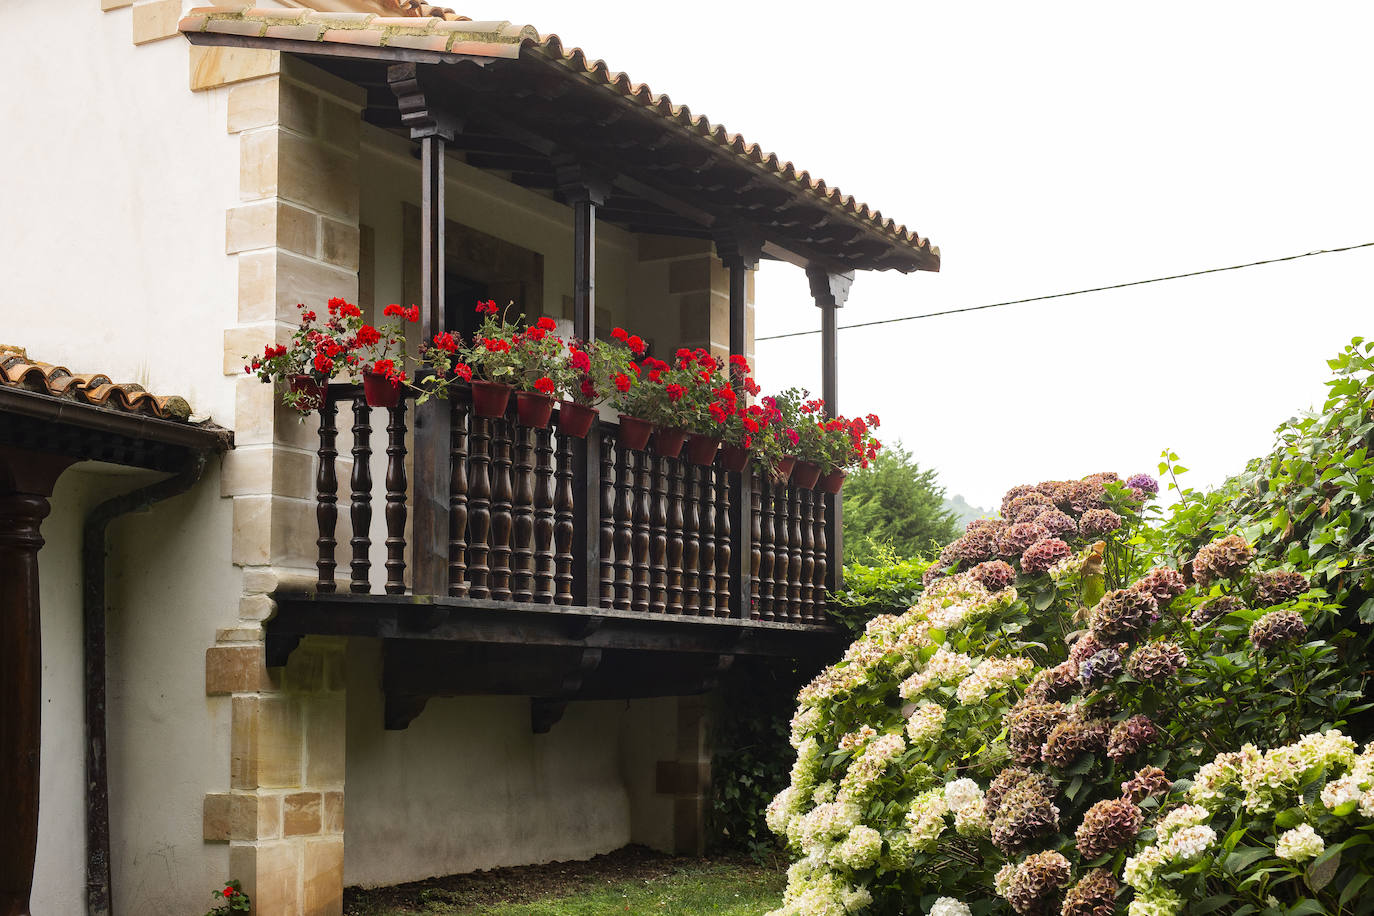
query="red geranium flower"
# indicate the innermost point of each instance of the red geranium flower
(588, 389)
(620, 333)
(463, 371)
(636, 345)
(547, 324)
(544, 385)
(368, 335)
(393, 311)
(622, 382)
(488, 307)
(579, 360)
(675, 392)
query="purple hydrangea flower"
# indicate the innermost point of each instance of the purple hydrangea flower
(1144, 482)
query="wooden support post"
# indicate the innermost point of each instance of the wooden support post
(584, 193)
(740, 252)
(26, 482)
(433, 126)
(830, 290)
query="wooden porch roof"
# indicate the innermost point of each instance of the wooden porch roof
(529, 104)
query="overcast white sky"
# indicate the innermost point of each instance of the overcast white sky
(1050, 147)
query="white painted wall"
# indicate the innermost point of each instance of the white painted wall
(468, 786)
(115, 178)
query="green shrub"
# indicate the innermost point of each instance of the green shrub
(888, 587)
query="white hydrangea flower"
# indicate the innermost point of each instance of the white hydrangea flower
(1001, 882)
(1160, 901)
(782, 807)
(925, 820)
(926, 723)
(825, 792)
(1302, 842)
(1189, 843)
(865, 769)
(861, 848)
(865, 734)
(1341, 792)
(944, 666)
(1140, 868)
(991, 674)
(805, 724)
(948, 906)
(1185, 816)
(962, 794)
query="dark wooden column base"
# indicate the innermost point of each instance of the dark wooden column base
(26, 481)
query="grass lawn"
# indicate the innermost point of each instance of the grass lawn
(633, 881)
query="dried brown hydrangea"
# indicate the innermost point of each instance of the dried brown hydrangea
(1147, 781)
(994, 574)
(1093, 895)
(1027, 506)
(1073, 738)
(1009, 779)
(995, 525)
(1100, 667)
(973, 548)
(1163, 584)
(1079, 496)
(1058, 524)
(1213, 608)
(1085, 647)
(1107, 825)
(1011, 495)
(1043, 554)
(1277, 628)
(1222, 559)
(1131, 737)
(1278, 586)
(1097, 522)
(934, 573)
(1156, 662)
(1057, 683)
(1029, 725)
(1035, 880)
(1123, 613)
(1016, 538)
(1025, 813)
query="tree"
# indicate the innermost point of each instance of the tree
(894, 507)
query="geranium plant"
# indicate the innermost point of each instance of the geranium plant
(525, 357)
(234, 900)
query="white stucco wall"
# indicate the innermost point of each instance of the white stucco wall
(115, 178)
(468, 786)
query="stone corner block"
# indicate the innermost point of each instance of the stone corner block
(236, 669)
(217, 817)
(214, 67)
(155, 20)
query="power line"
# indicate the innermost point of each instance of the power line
(1076, 292)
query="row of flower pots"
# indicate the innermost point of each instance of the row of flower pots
(535, 411)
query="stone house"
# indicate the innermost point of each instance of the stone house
(528, 689)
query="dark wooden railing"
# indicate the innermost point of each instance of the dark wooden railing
(670, 537)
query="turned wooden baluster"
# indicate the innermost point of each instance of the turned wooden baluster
(767, 555)
(326, 495)
(479, 510)
(755, 549)
(822, 551)
(675, 543)
(396, 501)
(781, 556)
(794, 554)
(658, 539)
(543, 517)
(563, 526)
(624, 530)
(640, 601)
(360, 508)
(607, 535)
(808, 554)
(691, 552)
(522, 557)
(706, 489)
(458, 500)
(724, 547)
(501, 497)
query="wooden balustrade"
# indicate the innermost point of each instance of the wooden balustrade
(668, 539)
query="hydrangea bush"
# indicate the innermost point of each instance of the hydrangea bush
(1021, 737)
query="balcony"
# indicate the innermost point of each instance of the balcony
(525, 561)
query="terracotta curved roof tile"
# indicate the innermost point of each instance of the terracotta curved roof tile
(449, 32)
(17, 370)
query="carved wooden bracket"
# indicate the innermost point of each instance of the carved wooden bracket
(738, 245)
(424, 108)
(828, 288)
(578, 181)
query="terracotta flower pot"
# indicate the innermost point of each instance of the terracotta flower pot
(668, 442)
(833, 482)
(380, 391)
(634, 432)
(734, 457)
(783, 470)
(702, 449)
(490, 399)
(806, 474)
(575, 419)
(533, 409)
(306, 385)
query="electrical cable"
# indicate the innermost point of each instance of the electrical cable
(1076, 292)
